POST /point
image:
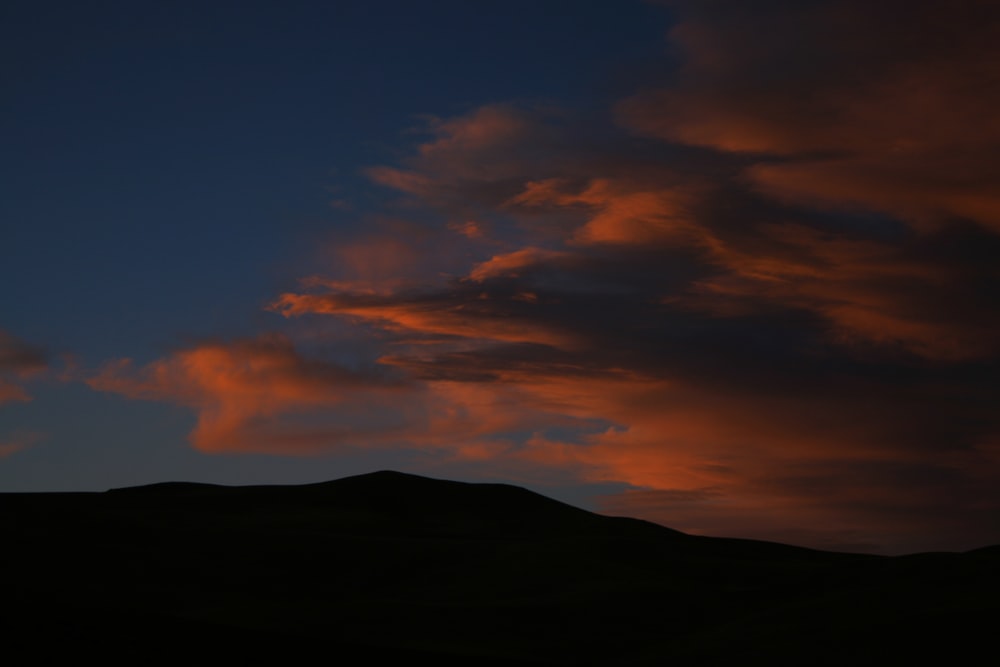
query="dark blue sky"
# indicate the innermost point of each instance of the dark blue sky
(728, 266)
(169, 166)
(164, 162)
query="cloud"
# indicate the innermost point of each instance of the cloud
(18, 361)
(927, 294)
(474, 158)
(263, 395)
(18, 442)
(709, 332)
(889, 106)
(607, 379)
(10, 392)
(788, 467)
(465, 312)
(258, 394)
(513, 264)
(620, 212)
(768, 301)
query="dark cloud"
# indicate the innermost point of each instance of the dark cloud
(887, 105)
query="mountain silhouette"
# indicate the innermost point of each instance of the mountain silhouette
(392, 566)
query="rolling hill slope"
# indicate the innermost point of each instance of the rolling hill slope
(395, 566)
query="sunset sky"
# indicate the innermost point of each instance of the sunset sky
(729, 266)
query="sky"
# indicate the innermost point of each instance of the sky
(731, 267)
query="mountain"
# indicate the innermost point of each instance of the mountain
(390, 566)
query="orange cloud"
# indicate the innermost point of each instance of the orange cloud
(622, 213)
(463, 315)
(735, 330)
(902, 121)
(509, 265)
(10, 392)
(399, 179)
(890, 505)
(395, 255)
(470, 229)
(257, 395)
(262, 395)
(485, 127)
(486, 146)
(830, 470)
(730, 357)
(18, 362)
(18, 442)
(727, 329)
(867, 290)
(898, 183)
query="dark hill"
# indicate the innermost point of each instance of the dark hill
(377, 501)
(389, 567)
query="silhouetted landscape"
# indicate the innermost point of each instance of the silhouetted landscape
(395, 566)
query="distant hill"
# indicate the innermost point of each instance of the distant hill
(390, 566)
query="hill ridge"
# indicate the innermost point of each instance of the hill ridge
(458, 572)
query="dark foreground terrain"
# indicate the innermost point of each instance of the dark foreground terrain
(392, 567)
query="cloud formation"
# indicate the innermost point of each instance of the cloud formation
(18, 361)
(768, 301)
(257, 395)
(888, 105)
(263, 395)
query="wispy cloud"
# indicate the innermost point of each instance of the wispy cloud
(19, 441)
(18, 361)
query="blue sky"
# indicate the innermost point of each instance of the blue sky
(725, 267)
(171, 166)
